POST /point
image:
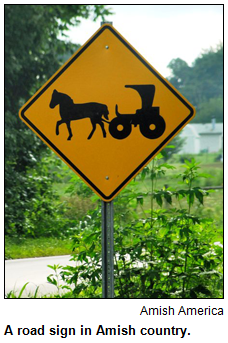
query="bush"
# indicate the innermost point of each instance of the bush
(167, 252)
(35, 210)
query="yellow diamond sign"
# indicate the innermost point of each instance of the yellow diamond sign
(107, 112)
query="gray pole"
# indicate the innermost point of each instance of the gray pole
(107, 242)
(107, 250)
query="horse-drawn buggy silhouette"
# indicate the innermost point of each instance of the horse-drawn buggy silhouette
(151, 124)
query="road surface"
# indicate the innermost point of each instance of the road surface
(32, 270)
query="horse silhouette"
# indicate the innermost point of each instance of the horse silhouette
(69, 111)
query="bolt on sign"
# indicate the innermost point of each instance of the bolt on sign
(107, 112)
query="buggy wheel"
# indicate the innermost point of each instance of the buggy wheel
(152, 127)
(119, 128)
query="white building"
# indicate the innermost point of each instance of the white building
(202, 138)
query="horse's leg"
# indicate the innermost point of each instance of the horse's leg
(59, 122)
(94, 128)
(102, 128)
(69, 130)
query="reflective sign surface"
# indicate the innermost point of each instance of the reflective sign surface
(107, 112)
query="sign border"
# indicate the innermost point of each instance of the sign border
(62, 70)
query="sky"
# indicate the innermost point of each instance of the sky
(161, 33)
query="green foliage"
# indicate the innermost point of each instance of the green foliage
(34, 210)
(24, 247)
(213, 108)
(14, 295)
(85, 277)
(54, 279)
(202, 83)
(34, 50)
(166, 251)
(173, 148)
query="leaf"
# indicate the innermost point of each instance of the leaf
(168, 198)
(66, 287)
(167, 166)
(52, 267)
(22, 290)
(163, 231)
(140, 200)
(36, 292)
(188, 163)
(144, 172)
(159, 156)
(199, 196)
(158, 199)
(170, 146)
(52, 281)
(205, 175)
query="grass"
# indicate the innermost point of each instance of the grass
(36, 247)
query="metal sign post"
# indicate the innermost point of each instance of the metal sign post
(107, 242)
(107, 250)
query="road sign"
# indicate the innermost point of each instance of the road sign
(107, 112)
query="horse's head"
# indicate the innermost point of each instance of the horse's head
(54, 99)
